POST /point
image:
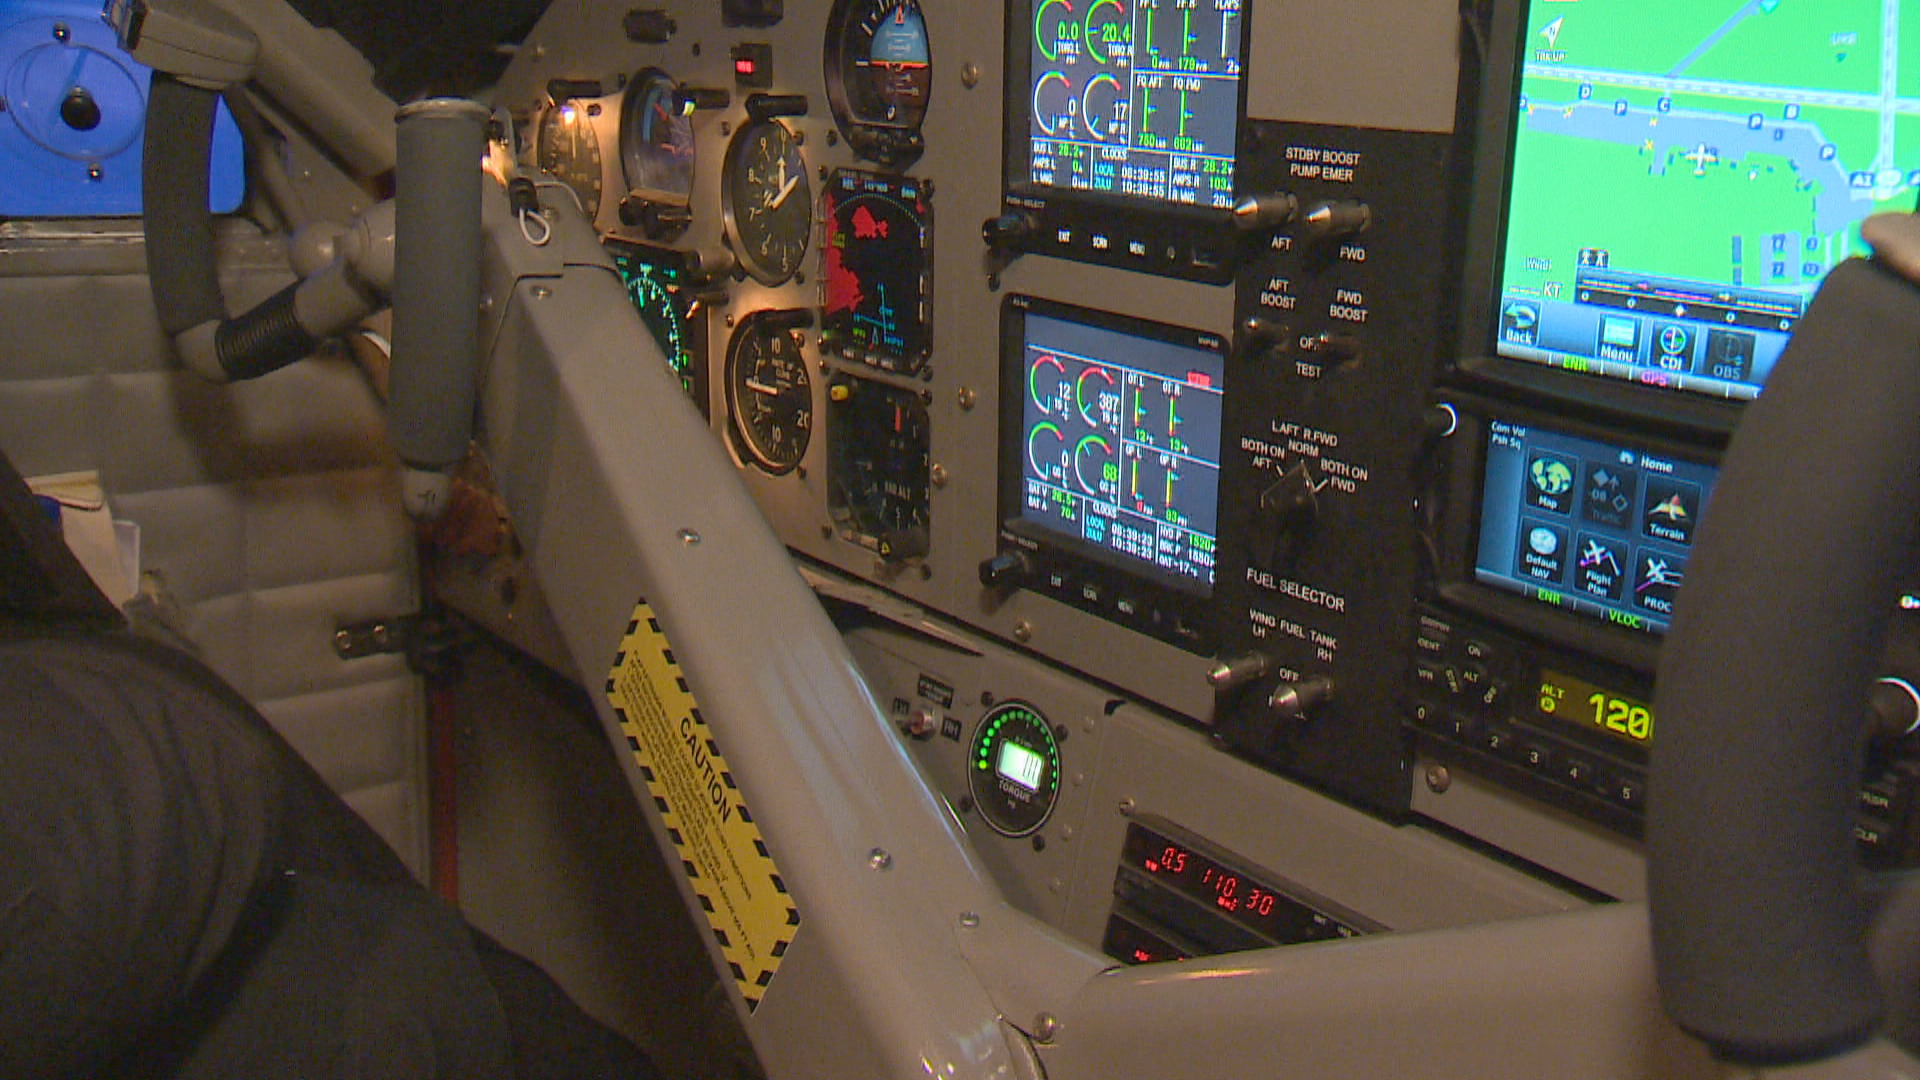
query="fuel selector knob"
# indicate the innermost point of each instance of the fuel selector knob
(1263, 213)
(1262, 337)
(1237, 671)
(1338, 217)
(1297, 700)
(1292, 502)
(1335, 346)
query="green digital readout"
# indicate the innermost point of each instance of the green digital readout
(1580, 701)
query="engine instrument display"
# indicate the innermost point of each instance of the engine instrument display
(1135, 98)
(1600, 529)
(876, 265)
(656, 138)
(879, 76)
(1013, 771)
(769, 394)
(1734, 165)
(766, 200)
(567, 148)
(879, 451)
(1119, 439)
(656, 281)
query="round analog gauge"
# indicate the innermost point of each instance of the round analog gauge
(879, 76)
(567, 149)
(769, 396)
(1013, 771)
(656, 138)
(766, 201)
(878, 449)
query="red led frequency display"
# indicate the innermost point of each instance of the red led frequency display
(1246, 900)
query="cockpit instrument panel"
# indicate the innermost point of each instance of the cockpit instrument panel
(769, 393)
(876, 269)
(657, 150)
(879, 74)
(1110, 462)
(878, 458)
(657, 283)
(567, 148)
(1134, 107)
(1724, 189)
(766, 200)
(1135, 98)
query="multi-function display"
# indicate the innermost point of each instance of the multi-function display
(1120, 438)
(1679, 187)
(1137, 98)
(1597, 528)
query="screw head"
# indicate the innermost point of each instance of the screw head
(969, 74)
(968, 399)
(878, 859)
(1045, 1027)
(689, 537)
(969, 920)
(1438, 779)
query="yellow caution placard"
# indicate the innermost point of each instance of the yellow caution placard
(739, 888)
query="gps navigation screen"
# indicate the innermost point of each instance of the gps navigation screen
(1136, 98)
(1684, 175)
(1595, 528)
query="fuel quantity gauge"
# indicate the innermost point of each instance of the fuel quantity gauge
(567, 148)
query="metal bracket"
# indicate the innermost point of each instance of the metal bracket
(430, 641)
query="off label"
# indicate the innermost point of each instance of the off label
(721, 851)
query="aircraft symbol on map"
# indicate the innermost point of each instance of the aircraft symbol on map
(1552, 33)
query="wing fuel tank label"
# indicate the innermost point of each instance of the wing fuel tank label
(726, 861)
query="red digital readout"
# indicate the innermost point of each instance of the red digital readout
(1201, 872)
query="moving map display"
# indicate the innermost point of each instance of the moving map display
(1684, 175)
(875, 263)
(1136, 98)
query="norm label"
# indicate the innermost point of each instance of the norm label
(726, 861)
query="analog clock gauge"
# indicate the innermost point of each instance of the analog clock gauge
(567, 148)
(769, 395)
(656, 138)
(766, 201)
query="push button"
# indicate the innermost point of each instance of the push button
(1577, 772)
(1536, 755)
(1628, 792)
